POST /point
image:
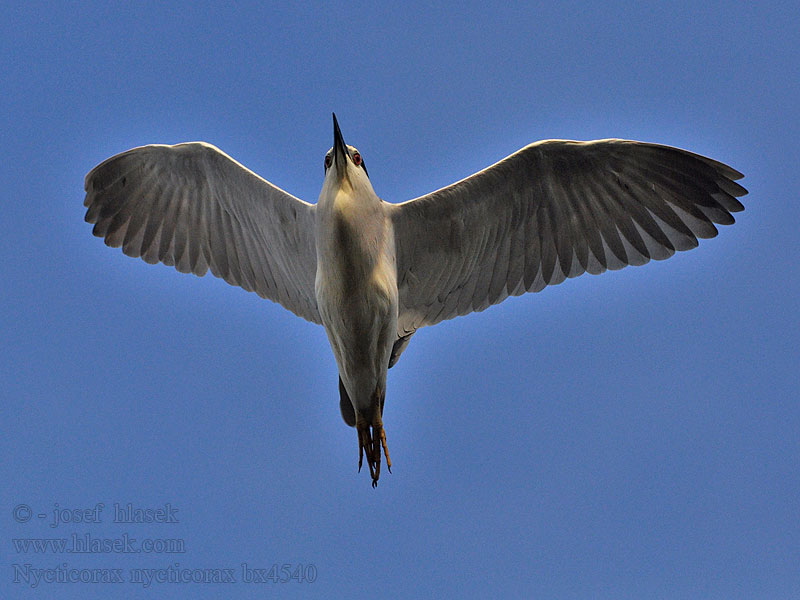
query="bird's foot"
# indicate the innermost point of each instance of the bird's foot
(371, 439)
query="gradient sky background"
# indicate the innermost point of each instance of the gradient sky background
(633, 435)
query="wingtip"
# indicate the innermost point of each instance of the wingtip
(734, 174)
(88, 179)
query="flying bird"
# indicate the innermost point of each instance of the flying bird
(372, 273)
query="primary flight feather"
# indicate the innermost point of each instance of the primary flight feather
(372, 272)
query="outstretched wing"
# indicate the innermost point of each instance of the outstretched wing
(193, 207)
(553, 210)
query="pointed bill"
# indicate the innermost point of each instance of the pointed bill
(339, 150)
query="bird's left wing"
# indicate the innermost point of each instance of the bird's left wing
(553, 210)
(193, 207)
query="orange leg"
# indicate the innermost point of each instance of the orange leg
(371, 440)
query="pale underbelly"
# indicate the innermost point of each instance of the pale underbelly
(361, 324)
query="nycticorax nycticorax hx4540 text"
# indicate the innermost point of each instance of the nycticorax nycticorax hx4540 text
(372, 273)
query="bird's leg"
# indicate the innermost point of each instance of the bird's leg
(360, 451)
(379, 433)
(371, 441)
(364, 444)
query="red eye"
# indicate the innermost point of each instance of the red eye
(328, 161)
(357, 159)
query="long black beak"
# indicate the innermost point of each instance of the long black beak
(339, 149)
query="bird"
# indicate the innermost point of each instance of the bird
(372, 272)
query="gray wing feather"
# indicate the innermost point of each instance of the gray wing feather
(193, 207)
(553, 210)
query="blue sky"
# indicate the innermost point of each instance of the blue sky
(632, 435)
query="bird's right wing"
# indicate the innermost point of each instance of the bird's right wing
(193, 207)
(553, 210)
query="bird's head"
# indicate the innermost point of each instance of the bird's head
(344, 165)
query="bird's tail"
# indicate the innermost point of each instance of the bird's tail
(345, 406)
